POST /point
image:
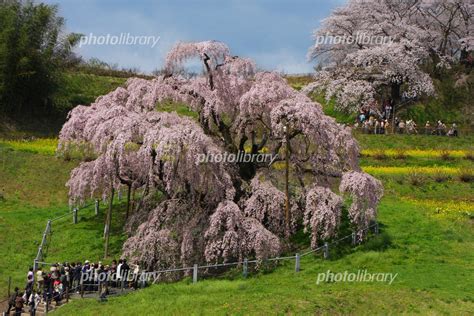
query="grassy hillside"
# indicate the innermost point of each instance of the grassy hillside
(83, 88)
(427, 238)
(426, 216)
(32, 189)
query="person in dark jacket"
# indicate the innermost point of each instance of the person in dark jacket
(124, 271)
(11, 301)
(19, 302)
(77, 275)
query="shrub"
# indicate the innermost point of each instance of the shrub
(379, 242)
(441, 176)
(400, 153)
(380, 155)
(416, 178)
(466, 175)
(445, 154)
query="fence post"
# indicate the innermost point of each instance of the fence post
(45, 236)
(74, 216)
(354, 239)
(297, 263)
(40, 253)
(326, 250)
(376, 228)
(96, 207)
(9, 285)
(195, 273)
(82, 288)
(35, 264)
(48, 227)
(245, 267)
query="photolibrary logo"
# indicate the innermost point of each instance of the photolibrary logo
(240, 157)
(121, 39)
(358, 38)
(359, 276)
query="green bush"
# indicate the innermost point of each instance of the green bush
(378, 242)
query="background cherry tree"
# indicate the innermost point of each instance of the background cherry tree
(404, 37)
(188, 211)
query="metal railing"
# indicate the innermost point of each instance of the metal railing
(324, 249)
(145, 276)
(464, 131)
(42, 248)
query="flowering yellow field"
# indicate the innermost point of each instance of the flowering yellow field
(444, 208)
(416, 153)
(45, 146)
(391, 170)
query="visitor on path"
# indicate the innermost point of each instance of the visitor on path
(39, 278)
(103, 282)
(86, 269)
(65, 279)
(119, 272)
(125, 270)
(29, 286)
(113, 271)
(136, 273)
(58, 291)
(453, 131)
(30, 273)
(33, 301)
(428, 128)
(47, 288)
(440, 128)
(401, 127)
(11, 301)
(54, 272)
(19, 302)
(77, 275)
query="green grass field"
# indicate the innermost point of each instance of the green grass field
(32, 188)
(426, 217)
(84, 88)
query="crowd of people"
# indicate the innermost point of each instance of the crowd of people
(44, 286)
(373, 122)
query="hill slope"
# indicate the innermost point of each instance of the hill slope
(427, 238)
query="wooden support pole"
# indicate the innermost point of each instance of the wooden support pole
(287, 180)
(108, 221)
(129, 192)
(9, 285)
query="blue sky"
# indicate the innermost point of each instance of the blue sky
(275, 33)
